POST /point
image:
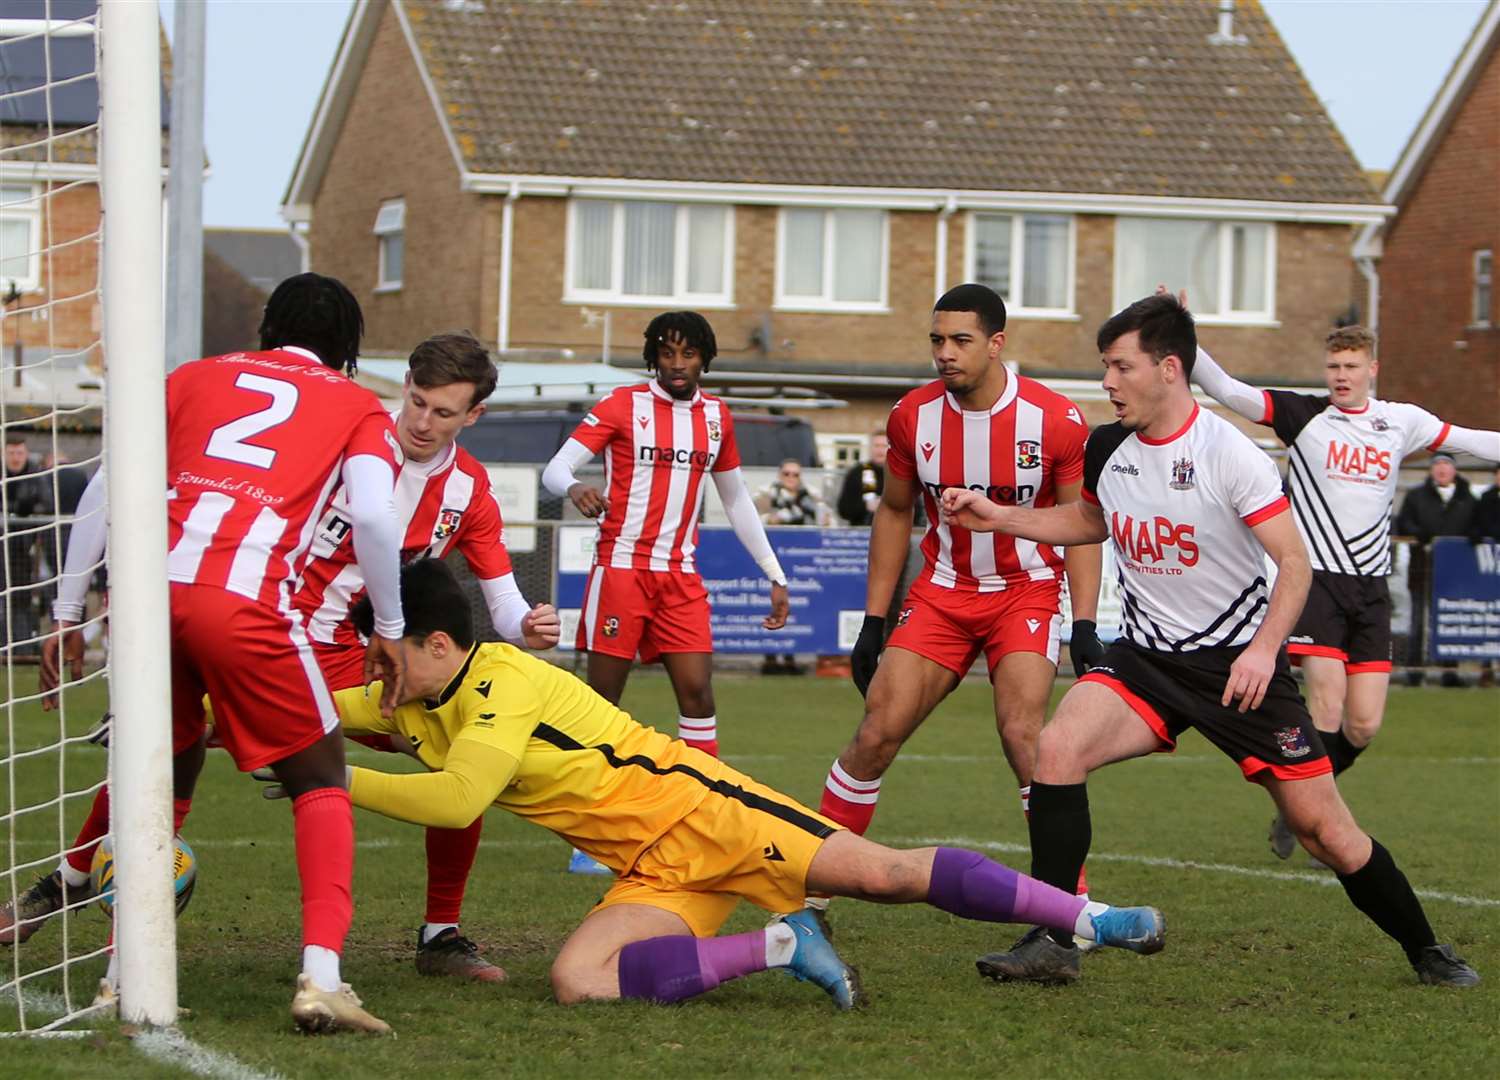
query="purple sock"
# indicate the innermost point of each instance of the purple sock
(966, 884)
(670, 969)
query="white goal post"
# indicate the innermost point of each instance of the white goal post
(135, 442)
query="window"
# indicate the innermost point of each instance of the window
(1026, 258)
(1484, 288)
(832, 259)
(649, 252)
(390, 235)
(1227, 267)
(20, 238)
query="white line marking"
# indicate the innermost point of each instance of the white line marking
(1325, 879)
(172, 1047)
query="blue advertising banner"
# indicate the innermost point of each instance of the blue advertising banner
(825, 569)
(1464, 620)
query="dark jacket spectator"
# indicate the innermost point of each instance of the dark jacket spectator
(863, 485)
(1485, 525)
(1442, 506)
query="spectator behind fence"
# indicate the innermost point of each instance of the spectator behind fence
(784, 501)
(25, 497)
(863, 484)
(1442, 506)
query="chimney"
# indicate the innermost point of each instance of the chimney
(1225, 34)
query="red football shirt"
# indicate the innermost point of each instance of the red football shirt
(443, 504)
(659, 452)
(1017, 452)
(255, 446)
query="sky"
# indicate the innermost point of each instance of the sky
(1375, 63)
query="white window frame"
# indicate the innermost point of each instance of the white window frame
(1017, 263)
(614, 297)
(1266, 318)
(826, 302)
(31, 213)
(1489, 281)
(383, 231)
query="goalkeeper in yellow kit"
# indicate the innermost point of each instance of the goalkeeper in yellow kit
(686, 836)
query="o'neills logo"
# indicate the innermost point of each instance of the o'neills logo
(1128, 470)
(671, 455)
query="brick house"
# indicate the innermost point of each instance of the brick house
(812, 176)
(1433, 264)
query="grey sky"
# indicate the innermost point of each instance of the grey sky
(1375, 63)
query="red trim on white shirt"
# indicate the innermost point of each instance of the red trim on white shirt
(1265, 513)
(1442, 437)
(1179, 433)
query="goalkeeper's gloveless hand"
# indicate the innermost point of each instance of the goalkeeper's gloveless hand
(1084, 647)
(865, 657)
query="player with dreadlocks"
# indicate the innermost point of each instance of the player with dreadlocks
(661, 439)
(257, 445)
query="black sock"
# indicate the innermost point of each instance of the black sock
(1341, 751)
(1381, 891)
(1061, 832)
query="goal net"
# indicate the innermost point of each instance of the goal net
(80, 345)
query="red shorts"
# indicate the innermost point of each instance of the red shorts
(646, 610)
(256, 665)
(343, 666)
(950, 627)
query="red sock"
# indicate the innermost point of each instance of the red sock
(180, 808)
(95, 826)
(323, 821)
(450, 857)
(700, 732)
(848, 801)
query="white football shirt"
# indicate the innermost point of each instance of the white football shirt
(1179, 511)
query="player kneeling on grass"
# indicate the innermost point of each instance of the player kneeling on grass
(687, 836)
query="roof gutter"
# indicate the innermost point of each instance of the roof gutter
(890, 198)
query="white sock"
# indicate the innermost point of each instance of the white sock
(322, 966)
(1082, 926)
(698, 728)
(73, 878)
(433, 929)
(1026, 800)
(781, 943)
(818, 903)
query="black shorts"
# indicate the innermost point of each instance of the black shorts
(1348, 618)
(1172, 692)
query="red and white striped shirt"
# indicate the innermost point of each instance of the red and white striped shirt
(442, 504)
(255, 446)
(1017, 452)
(660, 449)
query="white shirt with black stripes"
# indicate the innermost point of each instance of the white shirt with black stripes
(1179, 512)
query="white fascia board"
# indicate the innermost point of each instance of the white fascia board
(1414, 158)
(333, 103)
(931, 199)
(60, 171)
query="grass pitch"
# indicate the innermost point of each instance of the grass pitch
(1268, 970)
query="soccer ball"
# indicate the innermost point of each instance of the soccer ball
(184, 874)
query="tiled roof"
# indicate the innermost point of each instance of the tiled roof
(1125, 97)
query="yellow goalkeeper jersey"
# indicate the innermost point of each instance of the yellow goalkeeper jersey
(515, 731)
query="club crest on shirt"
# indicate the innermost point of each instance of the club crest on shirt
(1380, 424)
(447, 523)
(1293, 742)
(903, 617)
(1182, 474)
(714, 431)
(1028, 454)
(611, 626)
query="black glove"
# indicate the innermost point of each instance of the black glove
(1084, 648)
(866, 655)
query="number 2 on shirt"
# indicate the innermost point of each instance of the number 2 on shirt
(228, 440)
